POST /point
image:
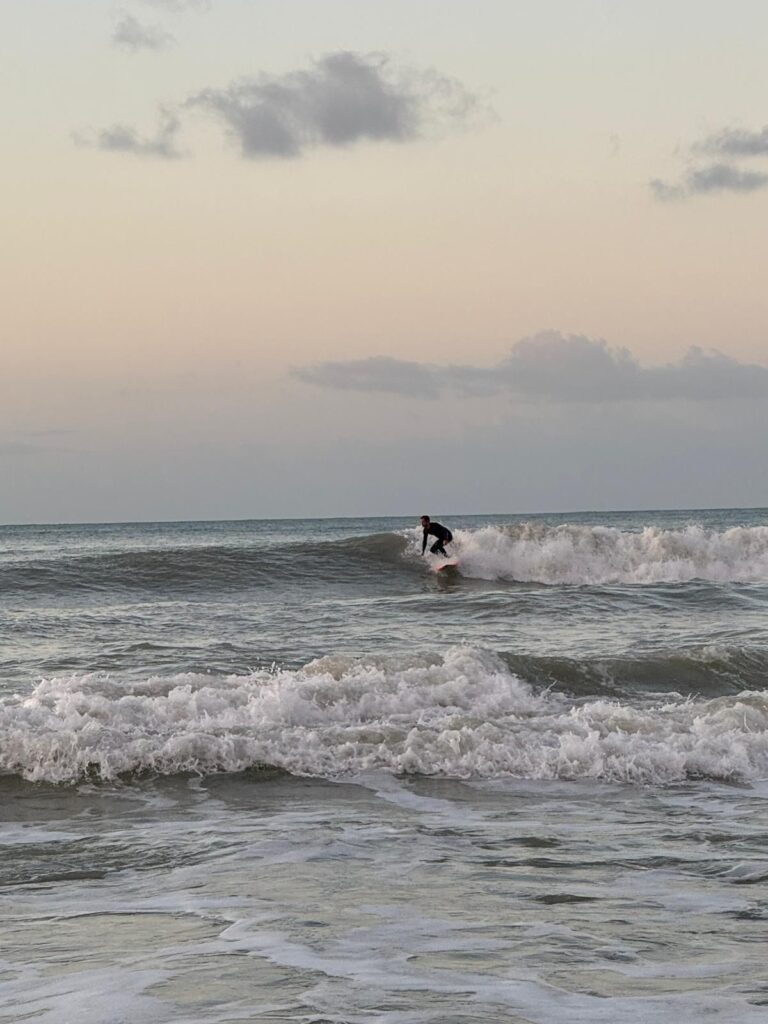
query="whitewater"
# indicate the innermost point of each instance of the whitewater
(283, 770)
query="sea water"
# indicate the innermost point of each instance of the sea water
(284, 771)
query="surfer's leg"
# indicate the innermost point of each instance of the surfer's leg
(438, 549)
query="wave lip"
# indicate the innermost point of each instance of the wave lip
(576, 554)
(465, 715)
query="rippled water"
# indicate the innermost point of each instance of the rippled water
(284, 771)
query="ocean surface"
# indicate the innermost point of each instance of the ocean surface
(277, 771)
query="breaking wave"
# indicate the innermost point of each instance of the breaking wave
(465, 715)
(599, 555)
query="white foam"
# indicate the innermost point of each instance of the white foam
(574, 554)
(462, 716)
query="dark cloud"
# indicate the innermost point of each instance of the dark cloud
(121, 138)
(130, 34)
(553, 367)
(341, 99)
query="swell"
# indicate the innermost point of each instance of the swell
(462, 715)
(712, 670)
(213, 567)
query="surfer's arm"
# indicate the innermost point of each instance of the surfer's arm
(424, 543)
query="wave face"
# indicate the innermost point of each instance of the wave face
(601, 555)
(465, 715)
(206, 567)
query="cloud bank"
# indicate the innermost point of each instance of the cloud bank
(343, 98)
(550, 366)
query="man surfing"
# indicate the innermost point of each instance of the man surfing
(443, 534)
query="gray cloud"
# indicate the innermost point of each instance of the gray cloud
(380, 373)
(121, 138)
(553, 367)
(722, 176)
(736, 142)
(713, 178)
(341, 99)
(130, 34)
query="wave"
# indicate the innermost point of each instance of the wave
(708, 670)
(465, 715)
(529, 552)
(203, 567)
(599, 555)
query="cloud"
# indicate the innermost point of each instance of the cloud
(550, 366)
(380, 373)
(121, 138)
(341, 99)
(713, 178)
(735, 142)
(131, 35)
(729, 144)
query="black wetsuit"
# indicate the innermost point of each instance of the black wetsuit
(443, 534)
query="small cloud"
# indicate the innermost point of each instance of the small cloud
(706, 180)
(121, 138)
(665, 192)
(341, 99)
(550, 366)
(130, 34)
(380, 373)
(735, 142)
(721, 176)
(724, 178)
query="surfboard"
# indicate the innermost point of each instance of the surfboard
(452, 563)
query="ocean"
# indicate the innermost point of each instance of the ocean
(272, 771)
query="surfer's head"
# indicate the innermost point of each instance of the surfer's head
(425, 520)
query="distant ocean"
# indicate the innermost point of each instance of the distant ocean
(277, 771)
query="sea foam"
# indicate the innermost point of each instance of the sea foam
(577, 554)
(464, 715)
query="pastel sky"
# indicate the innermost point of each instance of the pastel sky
(347, 257)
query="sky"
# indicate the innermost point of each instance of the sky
(329, 257)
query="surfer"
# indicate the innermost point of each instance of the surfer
(443, 534)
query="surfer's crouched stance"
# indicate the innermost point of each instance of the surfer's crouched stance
(443, 534)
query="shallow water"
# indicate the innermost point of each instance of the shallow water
(285, 772)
